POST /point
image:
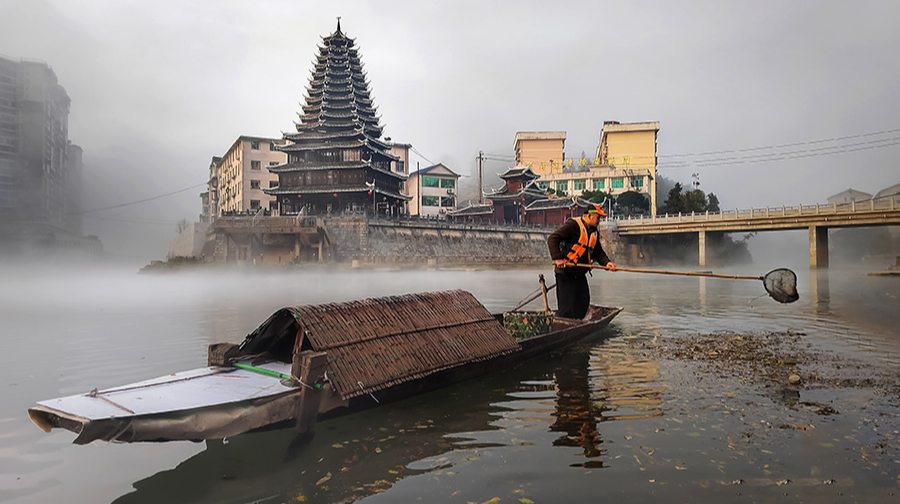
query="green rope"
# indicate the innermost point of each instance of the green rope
(260, 370)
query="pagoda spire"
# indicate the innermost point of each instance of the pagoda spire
(338, 25)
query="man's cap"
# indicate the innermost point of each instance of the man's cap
(596, 209)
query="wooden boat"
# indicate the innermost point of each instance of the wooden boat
(311, 362)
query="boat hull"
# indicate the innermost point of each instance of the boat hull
(270, 401)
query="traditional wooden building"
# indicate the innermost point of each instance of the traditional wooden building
(337, 161)
(520, 190)
(554, 211)
(480, 212)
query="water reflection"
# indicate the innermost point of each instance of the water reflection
(819, 296)
(607, 383)
(526, 425)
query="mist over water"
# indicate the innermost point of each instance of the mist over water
(67, 331)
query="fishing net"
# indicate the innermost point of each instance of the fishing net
(781, 284)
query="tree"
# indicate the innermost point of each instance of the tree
(181, 225)
(632, 202)
(713, 205)
(595, 196)
(694, 201)
(675, 201)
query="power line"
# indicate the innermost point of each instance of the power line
(416, 151)
(780, 156)
(795, 144)
(132, 221)
(138, 201)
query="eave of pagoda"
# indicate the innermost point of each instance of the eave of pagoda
(376, 145)
(348, 165)
(297, 137)
(329, 113)
(341, 189)
(528, 194)
(316, 124)
(320, 146)
(306, 166)
(332, 124)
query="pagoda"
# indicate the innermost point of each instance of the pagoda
(520, 190)
(336, 161)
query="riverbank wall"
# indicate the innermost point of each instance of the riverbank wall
(362, 240)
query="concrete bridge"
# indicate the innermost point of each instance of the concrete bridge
(817, 218)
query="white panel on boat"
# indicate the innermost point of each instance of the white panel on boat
(196, 388)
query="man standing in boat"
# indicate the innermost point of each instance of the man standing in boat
(576, 242)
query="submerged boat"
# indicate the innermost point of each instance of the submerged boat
(310, 362)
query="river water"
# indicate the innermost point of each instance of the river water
(593, 421)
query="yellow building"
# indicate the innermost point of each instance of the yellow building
(609, 179)
(242, 174)
(625, 161)
(543, 151)
(630, 147)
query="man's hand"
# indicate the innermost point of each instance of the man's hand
(560, 263)
(611, 266)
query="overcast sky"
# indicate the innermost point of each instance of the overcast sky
(160, 87)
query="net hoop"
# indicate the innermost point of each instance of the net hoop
(781, 284)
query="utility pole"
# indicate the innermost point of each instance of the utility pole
(480, 160)
(418, 191)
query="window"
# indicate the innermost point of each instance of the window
(617, 183)
(254, 184)
(254, 144)
(254, 165)
(430, 181)
(271, 146)
(599, 183)
(543, 184)
(562, 185)
(430, 200)
(636, 181)
(447, 201)
(401, 168)
(273, 163)
(273, 183)
(273, 205)
(448, 183)
(579, 184)
(254, 204)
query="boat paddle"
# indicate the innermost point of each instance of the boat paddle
(780, 284)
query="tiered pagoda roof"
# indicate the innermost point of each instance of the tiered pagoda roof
(529, 190)
(519, 172)
(338, 129)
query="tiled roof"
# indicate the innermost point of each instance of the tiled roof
(483, 209)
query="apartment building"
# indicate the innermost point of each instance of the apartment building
(238, 179)
(35, 183)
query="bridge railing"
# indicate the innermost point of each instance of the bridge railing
(752, 213)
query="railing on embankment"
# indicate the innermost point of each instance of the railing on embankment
(267, 224)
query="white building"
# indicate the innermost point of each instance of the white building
(434, 191)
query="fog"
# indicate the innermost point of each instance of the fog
(772, 103)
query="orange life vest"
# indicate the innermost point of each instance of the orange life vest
(586, 242)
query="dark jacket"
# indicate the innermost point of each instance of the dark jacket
(561, 240)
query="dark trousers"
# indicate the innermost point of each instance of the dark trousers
(572, 295)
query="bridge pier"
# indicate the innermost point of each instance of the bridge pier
(818, 247)
(703, 248)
